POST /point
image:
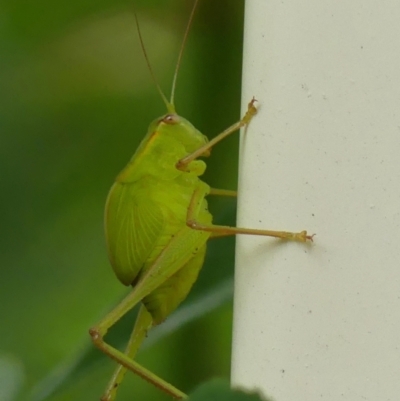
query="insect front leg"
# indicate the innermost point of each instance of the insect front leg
(244, 122)
(222, 231)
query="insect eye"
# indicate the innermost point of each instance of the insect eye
(170, 119)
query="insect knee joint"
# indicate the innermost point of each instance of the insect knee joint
(97, 338)
(192, 224)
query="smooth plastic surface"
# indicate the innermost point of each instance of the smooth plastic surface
(320, 321)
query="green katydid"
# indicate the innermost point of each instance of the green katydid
(157, 226)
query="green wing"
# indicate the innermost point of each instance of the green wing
(133, 224)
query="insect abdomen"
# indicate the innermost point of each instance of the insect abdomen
(167, 297)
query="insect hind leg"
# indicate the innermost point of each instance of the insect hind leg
(143, 323)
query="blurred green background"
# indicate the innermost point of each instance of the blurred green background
(75, 100)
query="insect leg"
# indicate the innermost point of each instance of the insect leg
(222, 192)
(223, 231)
(143, 323)
(251, 112)
(138, 369)
(125, 360)
(175, 255)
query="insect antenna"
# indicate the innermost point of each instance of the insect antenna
(170, 105)
(171, 102)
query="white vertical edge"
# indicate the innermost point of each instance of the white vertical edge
(320, 322)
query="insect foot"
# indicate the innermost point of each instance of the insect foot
(304, 237)
(311, 237)
(250, 107)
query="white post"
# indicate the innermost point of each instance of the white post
(320, 322)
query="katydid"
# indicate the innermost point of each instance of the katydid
(157, 225)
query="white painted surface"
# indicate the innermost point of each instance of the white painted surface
(321, 322)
